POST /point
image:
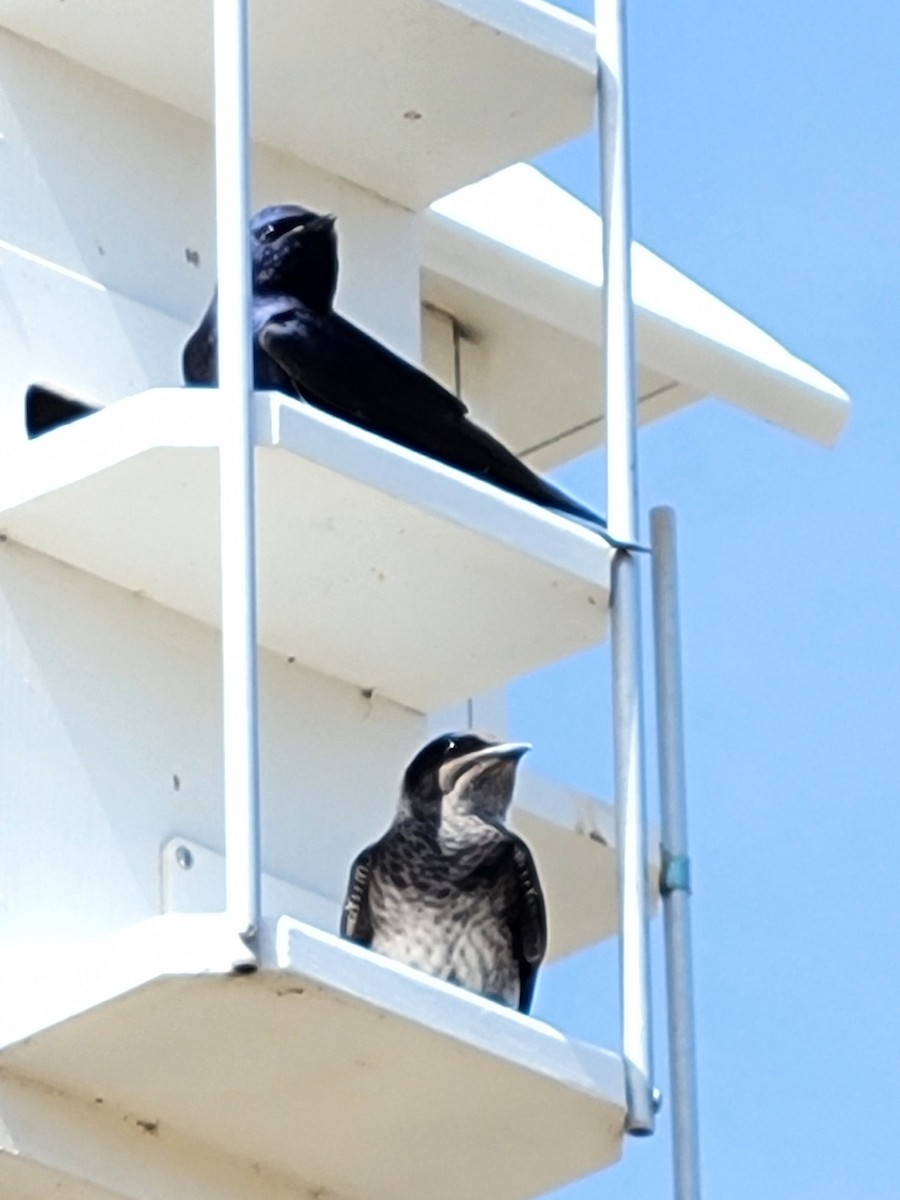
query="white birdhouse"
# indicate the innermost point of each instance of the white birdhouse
(391, 590)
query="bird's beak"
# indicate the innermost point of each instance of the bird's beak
(451, 771)
(513, 750)
(320, 224)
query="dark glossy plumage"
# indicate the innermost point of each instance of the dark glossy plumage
(449, 889)
(293, 250)
(301, 346)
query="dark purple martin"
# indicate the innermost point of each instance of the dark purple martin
(449, 889)
(293, 255)
(276, 258)
(302, 347)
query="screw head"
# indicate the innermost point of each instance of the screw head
(184, 858)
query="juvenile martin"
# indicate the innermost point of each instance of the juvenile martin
(449, 889)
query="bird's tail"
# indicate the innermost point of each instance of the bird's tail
(573, 508)
(562, 502)
(46, 409)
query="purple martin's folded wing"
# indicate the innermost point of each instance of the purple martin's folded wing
(356, 919)
(337, 367)
(529, 923)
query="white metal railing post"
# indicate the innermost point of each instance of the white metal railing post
(625, 615)
(675, 883)
(237, 506)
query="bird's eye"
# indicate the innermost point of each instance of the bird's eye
(268, 233)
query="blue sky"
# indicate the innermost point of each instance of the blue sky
(765, 166)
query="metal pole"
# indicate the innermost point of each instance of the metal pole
(675, 879)
(237, 509)
(625, 615)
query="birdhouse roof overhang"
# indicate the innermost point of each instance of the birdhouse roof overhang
(517, 259)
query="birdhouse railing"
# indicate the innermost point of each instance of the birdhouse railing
(239, 634)
(237, 510)
(625, 606)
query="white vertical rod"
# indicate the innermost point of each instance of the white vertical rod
(237, 509)
(457, 391)
(675, 882)
(625, 615)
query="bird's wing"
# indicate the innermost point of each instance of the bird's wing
(339, 368)
(529, 922)
(200, 356)
(356, 919)
(336, 365)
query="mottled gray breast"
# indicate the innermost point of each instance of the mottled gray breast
(442, 904)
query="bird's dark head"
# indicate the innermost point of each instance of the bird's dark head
(473, 773)
(295, 253)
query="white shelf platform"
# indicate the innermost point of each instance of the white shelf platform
(432, 94)
(376, 565)
(440, 1093)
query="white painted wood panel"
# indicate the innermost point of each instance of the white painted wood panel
(376, 565)
(429, 95)
(110, 734)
